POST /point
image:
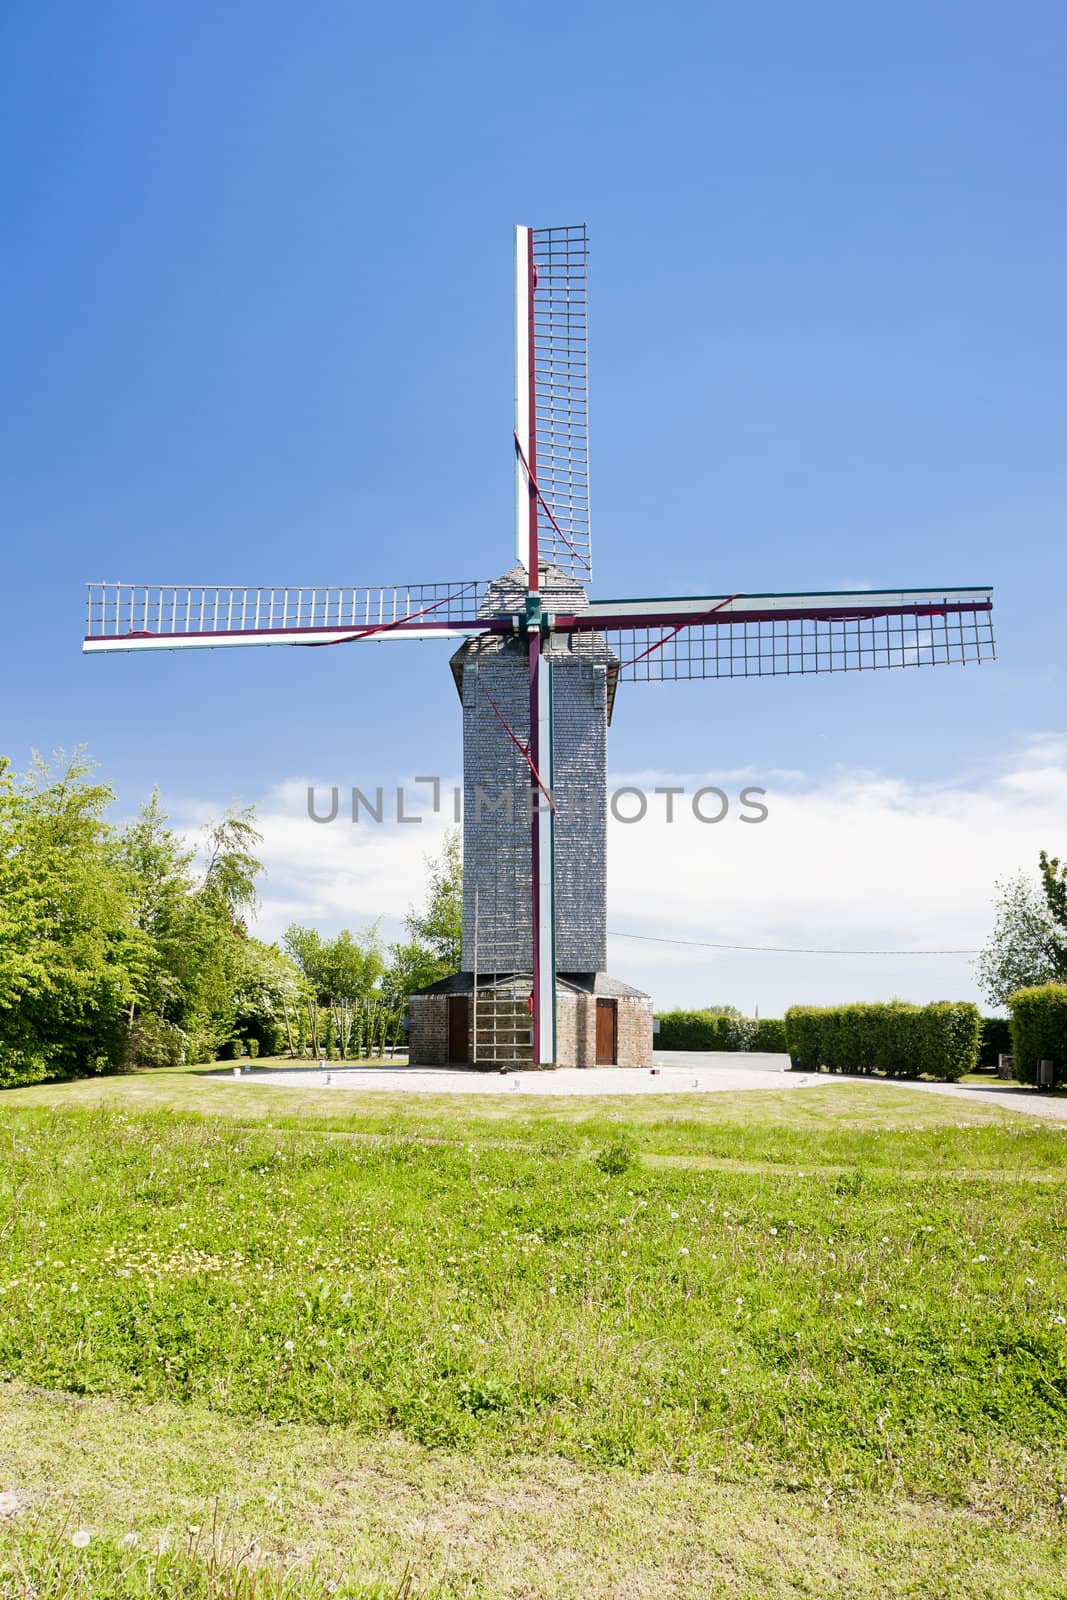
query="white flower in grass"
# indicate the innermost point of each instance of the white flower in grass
(80, 1539)
(1060, 1320)
(773, 1232)
(684, 1252)
(131, 1540)
(290, 1345)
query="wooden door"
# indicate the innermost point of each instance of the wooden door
(458, 1027)
(606, 1033)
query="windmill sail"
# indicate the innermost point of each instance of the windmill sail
(552, 395)
(772, 635)
(137, 616)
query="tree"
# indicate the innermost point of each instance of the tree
(1054, 885)
(340, 973)
(1027, 945)
(435, 945)
(68, 939)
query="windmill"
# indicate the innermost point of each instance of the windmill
(540, 663)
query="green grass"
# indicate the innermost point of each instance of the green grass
(797, 1305)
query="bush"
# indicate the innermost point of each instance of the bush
(896, 1039)
(151, 1042)
(718, 1030)
(1039, 1029)
(253, 1048)
(19, 1067)
(769, 1034)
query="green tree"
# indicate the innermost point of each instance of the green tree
(1027, 946)
(1054, 886)
(68, 938)
(434, 947)
(200, 981)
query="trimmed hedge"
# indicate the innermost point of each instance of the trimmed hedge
(714, 1030)
(899, 1040)
(1039, 1029)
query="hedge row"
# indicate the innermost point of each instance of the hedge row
(1039, 1029)
(903, 1041)
(714, 1030)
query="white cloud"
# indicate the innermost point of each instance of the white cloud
(850, 860)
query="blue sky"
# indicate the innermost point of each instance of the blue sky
(257, 328)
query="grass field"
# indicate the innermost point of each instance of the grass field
(770, 1344)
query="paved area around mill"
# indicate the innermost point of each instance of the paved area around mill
(675, 1072)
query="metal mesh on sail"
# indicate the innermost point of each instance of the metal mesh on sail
(562, 395)
(785, 645)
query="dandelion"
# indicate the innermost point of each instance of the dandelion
(80, 1539)
(455, 1327)
(674, 1216)
(722, 1372)
(131, 1540)
(290, 1345)
(684, 1252)
(646, 1402)
(773, 1231)
(1060, 1320)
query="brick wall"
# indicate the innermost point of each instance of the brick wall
(575, 1030)
(428, 1030)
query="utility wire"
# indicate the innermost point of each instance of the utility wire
(783, 949)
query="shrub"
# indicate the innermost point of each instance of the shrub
(253, 1048)
(896, 1039)
(1039, 1029)
(769, 1034)
(718, 1030)
(19, 1067)
(152, 1042)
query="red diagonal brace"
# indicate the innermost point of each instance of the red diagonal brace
(520, 747)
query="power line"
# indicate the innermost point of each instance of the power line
(782, 949)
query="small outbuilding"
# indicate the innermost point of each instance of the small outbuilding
(599, 1022)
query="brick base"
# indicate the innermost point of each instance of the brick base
(575, 1031)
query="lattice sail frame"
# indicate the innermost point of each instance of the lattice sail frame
(179, 616)
(552, 395)
(781, 635)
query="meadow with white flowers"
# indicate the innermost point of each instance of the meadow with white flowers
(842, 1317)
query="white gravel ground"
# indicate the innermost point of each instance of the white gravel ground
(677, 1072)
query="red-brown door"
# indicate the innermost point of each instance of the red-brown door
(458, 1015)
(606, 1033)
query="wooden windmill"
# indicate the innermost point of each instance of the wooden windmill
(541, 662)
